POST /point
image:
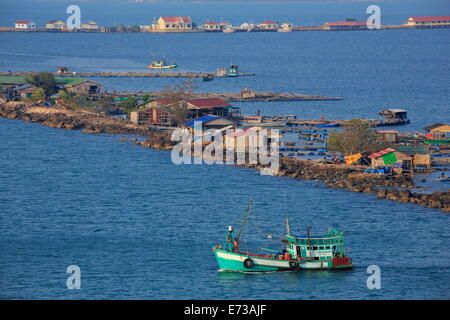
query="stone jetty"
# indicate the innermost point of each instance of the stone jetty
(238, 96)
(349, 177)
(146, 74)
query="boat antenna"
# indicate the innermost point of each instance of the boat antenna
(245, 220)
(309, 241)
(286, 220)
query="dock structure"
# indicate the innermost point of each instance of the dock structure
(237, 96)
(147, 74)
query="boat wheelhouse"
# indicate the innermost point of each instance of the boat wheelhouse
(319, 252)
(233, 71)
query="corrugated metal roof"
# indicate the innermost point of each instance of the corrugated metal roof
(396, 110)
(208, 103)
(434, 126)
(204, 119)
(381, 153)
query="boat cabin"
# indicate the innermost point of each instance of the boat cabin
(328, 248)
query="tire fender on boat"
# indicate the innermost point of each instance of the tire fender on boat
(249, 263)
(293, 264)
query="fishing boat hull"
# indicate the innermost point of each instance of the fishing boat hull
(173, 66)
(324, 265)
(241, 262)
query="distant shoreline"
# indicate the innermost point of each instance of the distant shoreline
(237, 30)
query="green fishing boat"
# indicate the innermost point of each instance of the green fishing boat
(233, 72)
(298, 252)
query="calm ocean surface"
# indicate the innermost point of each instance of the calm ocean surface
(140, 227)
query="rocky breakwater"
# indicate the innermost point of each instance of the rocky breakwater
(80, 120)
(352, 178)
(390, 187)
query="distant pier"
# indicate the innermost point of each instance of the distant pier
(147, 74)
(239, 96)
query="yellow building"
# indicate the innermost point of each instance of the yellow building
(55, 25)
(89, 25)
(173, 24)
(438, 131)
(269, 25)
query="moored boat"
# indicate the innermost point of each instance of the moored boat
(161, 64)
(233, 72)
(323, 252)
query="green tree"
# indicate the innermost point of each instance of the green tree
(135, 29)
(357, 136)
(106, 104)
(45, 81)
(128, 104)
(38, 95)
(66, 96)
(145, 99)
(179, 93)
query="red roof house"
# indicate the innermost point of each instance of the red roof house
(428, 20)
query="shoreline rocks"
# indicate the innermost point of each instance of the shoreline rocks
(352, 178)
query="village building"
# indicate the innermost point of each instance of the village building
(25, 25)
(398, 161)
(344, 25)
(211, 26)
(269, 25)
(18, 86)
(161, 111)
(212, 106)
(55, 25)
(285, 27)
(90, 26)
(420, 154)
(438, 131)
(173, 24)
(247, 26)
(395, 116)
(21, 92)
(224, 25)
(389, 136)
(428, 21)
(248, 94)
(404, 160)
(249, 139)
(158, 115)
(85, 87)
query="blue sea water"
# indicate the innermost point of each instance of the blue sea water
(140, 227)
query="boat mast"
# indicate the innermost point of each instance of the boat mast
(288, 227)
(245, 220)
